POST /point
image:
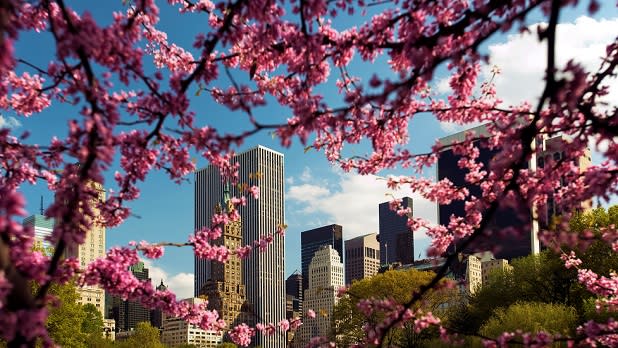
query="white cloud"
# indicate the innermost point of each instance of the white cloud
(451, 128)
(354, 204)
(522, 58)
(305, 176)
(181, 284)
(9, 122)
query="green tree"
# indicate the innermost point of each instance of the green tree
(145, 336)
(396, 285)
(66, 317)
(542, 278)
(531, 317)
(536, 278)
(227, 345)
(93, 320)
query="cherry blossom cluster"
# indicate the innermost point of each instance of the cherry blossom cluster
(129, 89)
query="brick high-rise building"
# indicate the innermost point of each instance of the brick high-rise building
(224, 290)
(362, 257)
(312, 240)
(396, 239)
(263, 272)
(553, 150)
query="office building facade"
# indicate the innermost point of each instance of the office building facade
(553, 151)
(312, 240)
(325, 279)
(177, 332)
(43, 228)
(294, 294)
(396, 239)
(517, 218)
(362, 257)
(128, 313)
(263, 272)
(92, 249)
(523, 221)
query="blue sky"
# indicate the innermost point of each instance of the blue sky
(165, 210)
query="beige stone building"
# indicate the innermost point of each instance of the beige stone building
(178, 332)
(325, 279)
(362, 257)
(478, 268)
(489, 266)
(92, 248)
(224, 290)
(553, 151)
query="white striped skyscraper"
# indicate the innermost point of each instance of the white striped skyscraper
(263, 272)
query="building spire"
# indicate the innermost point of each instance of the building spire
(42, 210)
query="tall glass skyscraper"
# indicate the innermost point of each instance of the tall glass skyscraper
(263, 272)
(312, 240)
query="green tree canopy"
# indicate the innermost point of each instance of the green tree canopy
(542, 278)
(145, 336)
(66, 317)
(532, 317)
(398, 285)
(93, 320)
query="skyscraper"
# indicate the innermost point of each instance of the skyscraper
(506, 247)
(92, 249)
(312, 240)
(43, 227)
(128, 313)
(294, 288)
(225, 290)
(396, 239)
(263, 272)
(362, 257)
(519, 216)
(325, 279)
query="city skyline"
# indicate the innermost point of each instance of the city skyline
(161, 214)
(484, 136)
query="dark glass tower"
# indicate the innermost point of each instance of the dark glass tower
(128, 313)
(517, 216)
(396, 240)
(294, 288)
(312, 240)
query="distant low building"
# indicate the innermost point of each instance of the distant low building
(473, 270)
(178, 332)
(109, 329)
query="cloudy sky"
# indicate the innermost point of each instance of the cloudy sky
(316, 193)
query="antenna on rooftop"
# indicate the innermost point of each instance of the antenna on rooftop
(42, 205)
